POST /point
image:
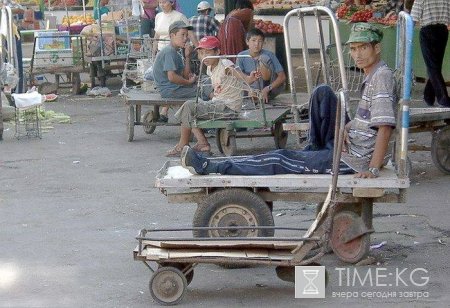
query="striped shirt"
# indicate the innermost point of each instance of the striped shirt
(376, 108)
(430, 12)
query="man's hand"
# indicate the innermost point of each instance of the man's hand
(254, 76)
(265, 94)
(365, 175)
(192, 78)
(187, 51)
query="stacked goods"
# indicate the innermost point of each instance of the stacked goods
(362, 15)
(268, 26)
(77, 20)
(365, 13)
(282, 4)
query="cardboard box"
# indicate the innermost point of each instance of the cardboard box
(48, 58)
(46, 41)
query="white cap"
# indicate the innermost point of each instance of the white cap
(204, 5)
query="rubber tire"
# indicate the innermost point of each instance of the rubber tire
(180, 266)
(220, 199)
(147, 121)
(440, 149)
(181, 280)
(227, 148)
(279, 135)
(362, 243)
(130, 123)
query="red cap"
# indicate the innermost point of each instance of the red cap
(208, 42)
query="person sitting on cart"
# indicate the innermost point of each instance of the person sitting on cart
(226, 97)
(366, 137)
(171, 72)
(273, 77)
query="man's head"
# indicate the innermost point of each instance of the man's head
(209, 46)
(255, 41)
(204, 8)
(365, 45)
(178, 32)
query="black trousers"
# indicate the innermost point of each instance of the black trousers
(433, 41)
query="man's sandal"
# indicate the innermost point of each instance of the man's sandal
(174, 152)
(202, 148)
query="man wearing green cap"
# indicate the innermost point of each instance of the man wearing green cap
(367, 135)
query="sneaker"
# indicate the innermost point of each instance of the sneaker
(193, 162)
(163, 119)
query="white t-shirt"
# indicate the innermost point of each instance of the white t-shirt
(162, 23)
(227, 88)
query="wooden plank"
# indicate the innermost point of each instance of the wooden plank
(387, 179)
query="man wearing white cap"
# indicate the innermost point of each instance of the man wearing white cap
(203, 23)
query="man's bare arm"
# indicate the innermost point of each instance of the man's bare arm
(381, 146)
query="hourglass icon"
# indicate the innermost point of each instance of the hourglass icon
(310, 275)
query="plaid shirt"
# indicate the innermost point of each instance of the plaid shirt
(429, 12)
(204, 25)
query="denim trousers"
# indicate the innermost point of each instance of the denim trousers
(317, 159)
(433, 41)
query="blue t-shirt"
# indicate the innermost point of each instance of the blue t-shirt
(167, 59)
(247, 65)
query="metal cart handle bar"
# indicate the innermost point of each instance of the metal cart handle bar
(403, 63)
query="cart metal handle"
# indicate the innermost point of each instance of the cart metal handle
(403, 63)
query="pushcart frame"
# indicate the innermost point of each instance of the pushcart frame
(340, 228)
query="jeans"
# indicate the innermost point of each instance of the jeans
(317, 159)
(433, 41)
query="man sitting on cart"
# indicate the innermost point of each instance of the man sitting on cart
(173, 74)
(366, 138)
(272, 73)
(226, 98)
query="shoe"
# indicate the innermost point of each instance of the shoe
(193, 162)
(163, 119)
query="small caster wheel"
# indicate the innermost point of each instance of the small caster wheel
(226, 142)
(168, 286)
(354, 250)
(149, 122)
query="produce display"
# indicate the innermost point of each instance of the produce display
(268, 26)
(77, 20)
(282, 4)
(364, 13)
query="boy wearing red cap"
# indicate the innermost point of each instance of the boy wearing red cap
(226, 98)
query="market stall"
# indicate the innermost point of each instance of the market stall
(375, 13)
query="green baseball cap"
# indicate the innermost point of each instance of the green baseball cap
(365, 33)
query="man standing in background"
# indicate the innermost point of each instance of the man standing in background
(148, 17)
(203, 23)
(434, 18)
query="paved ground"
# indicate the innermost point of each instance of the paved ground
(72, 203)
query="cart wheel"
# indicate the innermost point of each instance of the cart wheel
(353, 251)
(148, 122)
(131, 118)
(168, 286)
(76, 83)
(280, 136)
(182, 267)
(226, 146)
(440, 149)
(233, 207)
